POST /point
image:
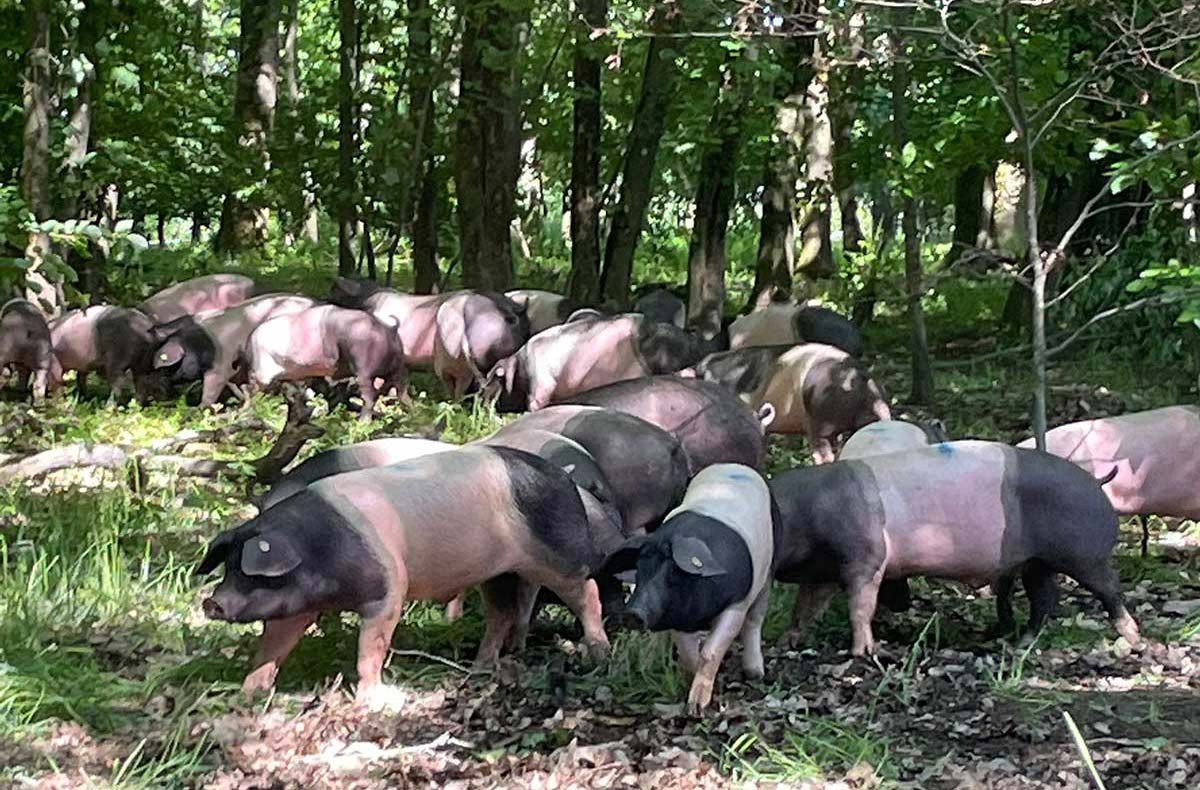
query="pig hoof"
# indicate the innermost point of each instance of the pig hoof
(598, 651)
(699, 697)
(381, 697)
(258, 680)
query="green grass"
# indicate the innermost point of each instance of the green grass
(823, 748)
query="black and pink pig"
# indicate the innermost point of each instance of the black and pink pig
(372, 540)
(198, 295)
(25, 344)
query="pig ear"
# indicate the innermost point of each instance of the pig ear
(269, 554)
(693, 556)
(167, 355)
(218, 550)
(624, 557)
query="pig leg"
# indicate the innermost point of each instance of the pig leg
(1042, 589)
(723, 632)
(1002, 588)
(366, 388)
(584, 600)
(1104, 583)
(811, 602)
(278, 639)
(863, 589)
(81, 378)
(501, 610)
(752, 657)
(454, 609)
(822, 449)
(213, 385)
(375, 640)
(527, 594)
(40, 377)
(688, 648)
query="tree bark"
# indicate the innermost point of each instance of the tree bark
(848, 87)
(244, 213)
(488, 138)
(641, 151)
(970, 224)
(426, 276)
(347, 179)
(777, 229)
(583, 284)
(81, 119)
(816, 246)
(922, 370)
(303, 200)
(35, 160)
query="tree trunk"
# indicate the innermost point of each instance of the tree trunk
(347, 181)
(302, 200)
(426, 276)
(81, 119)
(848, 87)
(583, 284)
(488, 138)
(777, 230)
(35, 160)
(243, 213)
(816, 247)
(970, 224)
(922, 370)
(641, 150)
(161, 229)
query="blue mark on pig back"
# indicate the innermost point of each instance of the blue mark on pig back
(944, 448)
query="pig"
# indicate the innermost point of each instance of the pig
(371, 540)
(544, 309)
(889, 436)
(207, 346)
(328, 341)
(588, 353)
(198, 295)
(113, 340)
(1154, 453)
(709, 421)
(707, 569)
(415, 315)
(660, 305)
(646, 468)
(25, 344)
(972, 511)
(789, 324)
(474, 331)
(817, 390)
(582, 313)
(350, 458)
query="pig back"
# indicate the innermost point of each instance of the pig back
(451, 520)
(880, 438)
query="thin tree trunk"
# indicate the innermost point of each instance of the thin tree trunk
(970, 224)
(197, 224)
(583, 283)
(816, 246)
(244, 217)
(641, 151)
(849, 86)
(488, 139)
(35, 160)
(777, 229)
(161, 229)
(347, 181)
(420, 102)
(79, 127)
(303, 201)
(922, 370)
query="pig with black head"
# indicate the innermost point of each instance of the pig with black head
(789, 324)
(115, 341)
(25, 344)
(705, 574)
(371, 540)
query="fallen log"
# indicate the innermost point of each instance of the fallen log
(82, 455)
(297, 431)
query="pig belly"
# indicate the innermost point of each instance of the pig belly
(76, 346)
(418, 330)
(948, 551)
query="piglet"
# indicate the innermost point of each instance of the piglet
(971, 511)
(707, 569)
(1155, 454)
(474, 331)
(328, 341)
(116, 341)
(789, 324)
(25, 344)
(198, 295)
(372, 540)
(815, 389)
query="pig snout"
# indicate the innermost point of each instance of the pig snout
(213, 609)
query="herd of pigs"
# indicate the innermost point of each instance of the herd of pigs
(636, 460)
